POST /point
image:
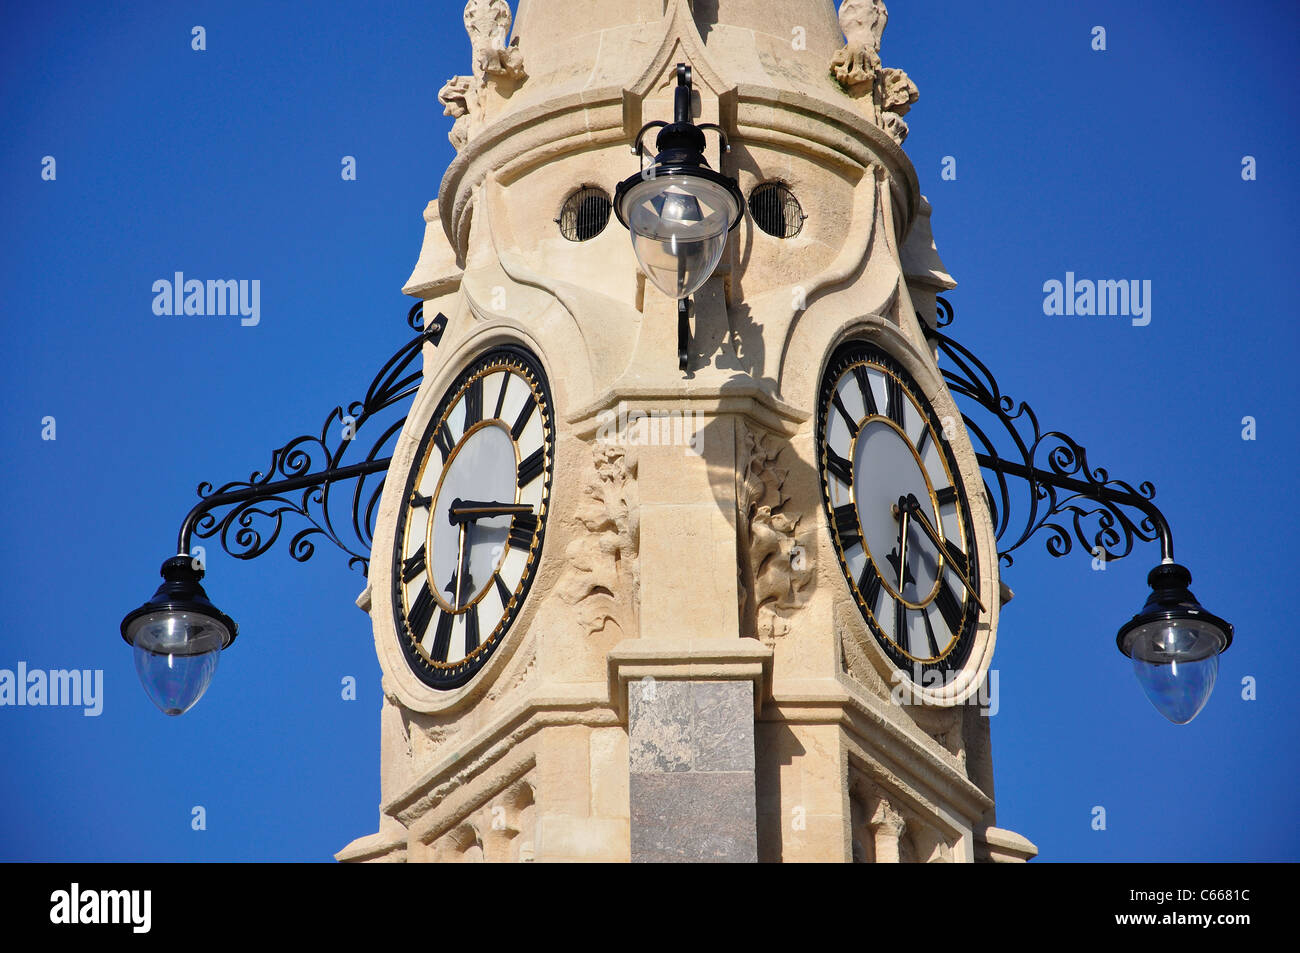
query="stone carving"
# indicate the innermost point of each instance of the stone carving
(601, 577)
(501, 831)
(858, 69)
(488, 24)
(456, 97)
(775, 570)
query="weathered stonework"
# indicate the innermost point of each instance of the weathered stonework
(701, 565)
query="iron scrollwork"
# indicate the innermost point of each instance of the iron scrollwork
(304, 472)
(1067, 496)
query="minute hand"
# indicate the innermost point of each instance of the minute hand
(915, 508)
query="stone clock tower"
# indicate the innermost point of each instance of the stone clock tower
(738, 612)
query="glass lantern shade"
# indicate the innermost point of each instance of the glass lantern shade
(1176, 663)
(177, 638)
(176, 655)
(1175, 645)
(679, 224)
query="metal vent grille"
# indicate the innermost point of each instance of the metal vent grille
(776, 210)
(585, 214)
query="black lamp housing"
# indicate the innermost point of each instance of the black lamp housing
(1171, 601)
(181, 592)
(680, 146)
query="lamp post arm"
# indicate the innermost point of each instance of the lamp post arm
(1063, 493)
(304, 471)
(1101, 493)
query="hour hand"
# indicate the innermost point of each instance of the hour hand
(910, 505)
(469, 511)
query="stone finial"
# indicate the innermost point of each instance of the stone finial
(858, 69)
(863, 23)
(488, 24)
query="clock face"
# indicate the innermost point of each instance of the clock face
(898, 516)
(472, 517)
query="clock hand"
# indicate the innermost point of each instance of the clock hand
(902, 513)
(460, 569)
(911, 505)
(468, 511)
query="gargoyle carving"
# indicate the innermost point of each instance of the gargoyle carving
(602, 579)
(858, 69)
(775, 570)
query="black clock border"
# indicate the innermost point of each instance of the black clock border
(445, 679)
(844, 356)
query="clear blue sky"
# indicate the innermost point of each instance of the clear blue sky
(226, 163)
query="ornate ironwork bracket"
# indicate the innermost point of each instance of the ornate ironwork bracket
(305, 470)
(1098, 509)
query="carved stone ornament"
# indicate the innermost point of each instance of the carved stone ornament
(488, 24)
(857, 67)
(775, 570)
(458, 98)
(601, 578)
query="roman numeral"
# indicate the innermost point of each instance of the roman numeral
(442, 638)
(501, 396)
(946, 496)
(444, 441)
(848, 421)
(949, 607)
(839, 467)
(522, 529)
(502, 590)
(925, 439)
(418, 499)
(471, 629)
(895, 391)
(869, 585)
(864, 385)
(900, 624)
(532, 467)
(474, 402)
(956, 557)
(412, 567)
(525, 414)
(846, 526)
(421, 611)
(929, 634)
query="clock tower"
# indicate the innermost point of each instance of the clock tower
(730, 595)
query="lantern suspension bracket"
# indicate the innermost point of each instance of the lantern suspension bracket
(1173, 642)
(679, 211)
(304, 472)
(1065, 494)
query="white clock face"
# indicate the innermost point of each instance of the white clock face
(473, 516)
(898, 516)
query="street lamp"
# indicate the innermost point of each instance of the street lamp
(178, 636)
(679, 210)
(1175, 645)
(1173, 642)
